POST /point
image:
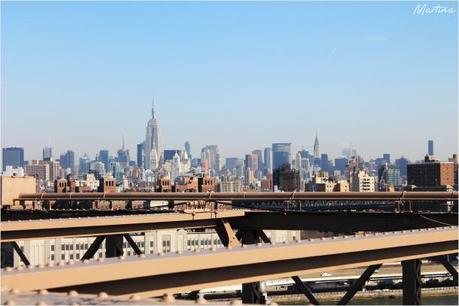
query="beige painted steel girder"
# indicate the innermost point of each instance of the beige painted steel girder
(153, 275)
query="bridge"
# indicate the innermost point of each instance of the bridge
(366, 238)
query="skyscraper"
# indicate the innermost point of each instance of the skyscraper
(47, 153)
(188, 149)
(141, 154)
(123, 156)
(13, 157)
(281, 153)
(268, 167)
(67, 160)
(430, 147)
(282, 157)
(152, 142)
(211, 158)
(316, 147)
(104, 158)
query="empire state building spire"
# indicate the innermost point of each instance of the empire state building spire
(152, 144)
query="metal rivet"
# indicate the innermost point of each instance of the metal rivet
(168, 298)
(201, 300)
(42, 292)
(134, 297)
(14, 291)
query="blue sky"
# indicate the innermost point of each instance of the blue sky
(241, 75)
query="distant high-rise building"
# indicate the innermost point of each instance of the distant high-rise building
(324, 166)
(12, 156)
(386, 157)
(402, 164)
(211, 158)
(259, 155)
(105, 159)
(341, 164)
(67, 160)
(47, 153)
(152, 142)
(316, 147)
(38, 169)
(169, 154)
(123, 156)
(268, 166)
(83, 166)
(141, 155)
(430, 147)
(281, 153)
(188, 149)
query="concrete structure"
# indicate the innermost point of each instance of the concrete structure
(12, 186)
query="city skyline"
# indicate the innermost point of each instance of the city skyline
(228, 75)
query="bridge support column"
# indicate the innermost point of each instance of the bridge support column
(252, 293)
(114, 246)
(411, 282)
(7, 255)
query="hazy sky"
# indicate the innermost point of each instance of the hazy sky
(241, 75)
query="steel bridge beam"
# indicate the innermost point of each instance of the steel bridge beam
(154, 275)
(338, 222)
(230, 196)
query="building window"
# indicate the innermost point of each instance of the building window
(52, 247)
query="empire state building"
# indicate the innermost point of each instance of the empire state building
(152, 143)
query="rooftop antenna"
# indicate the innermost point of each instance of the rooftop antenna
(122, 148)
(153, 107)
